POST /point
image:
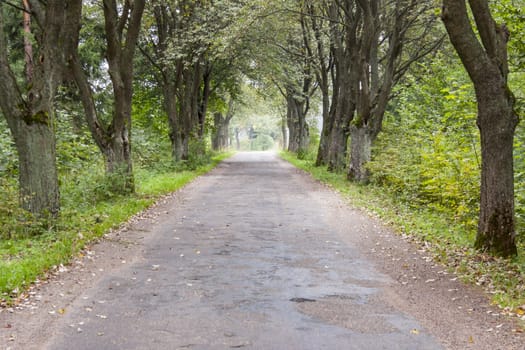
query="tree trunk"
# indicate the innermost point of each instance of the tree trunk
(344, 111)
(217, 131)
(299, 138)
(360, 153)
(39, 192)
(170, 105)
(337, 152)
(326, 133)
(237, 139)
(486, 62)
(284, 131)
(204, 99)
(118, 149)
(497, 121)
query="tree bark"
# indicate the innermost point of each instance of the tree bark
(204, 96)
(486, 62)
(299, 138)
(284, 131)
(360, 153)
(220, 134)
(343, 112)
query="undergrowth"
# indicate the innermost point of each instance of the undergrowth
(449, 240)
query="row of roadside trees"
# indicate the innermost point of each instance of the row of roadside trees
(354, 55)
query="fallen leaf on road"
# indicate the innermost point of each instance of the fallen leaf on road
(414, 331)
(61, 311)
(471, 340)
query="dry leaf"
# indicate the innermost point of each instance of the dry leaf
(414, 331)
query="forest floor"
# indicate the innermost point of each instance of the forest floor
(255, 255)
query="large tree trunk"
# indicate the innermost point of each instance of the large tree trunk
(360, 153)
(218, 131)
(486, 63)
(344, 110)
(30, 116)
(337, 152)
(39, 192)
(497, 122)
(299, 138)
(221, 133)
(215, 138)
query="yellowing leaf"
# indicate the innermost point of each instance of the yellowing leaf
(414, 331)
(61, 311)
(520, 312)
(471, 340)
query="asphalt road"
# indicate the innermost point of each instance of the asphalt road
(251, 257)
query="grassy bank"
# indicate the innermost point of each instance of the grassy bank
(450, 242)
(87, 214)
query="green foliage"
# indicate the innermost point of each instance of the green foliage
(8, 158)
(436, 114)
(262, 142)
(198, 156)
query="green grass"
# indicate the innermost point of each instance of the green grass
(26, 259)
(450, 242)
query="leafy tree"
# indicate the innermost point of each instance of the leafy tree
(486, 62)
(28, 103)
(186, 46)
(122, 23)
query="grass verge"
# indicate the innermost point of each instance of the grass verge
(449, 242)
(24, 260)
